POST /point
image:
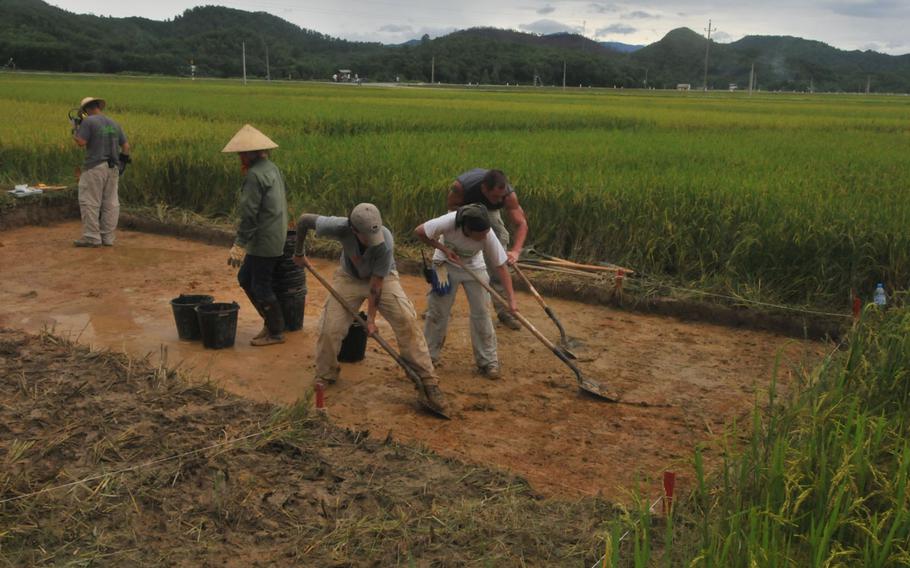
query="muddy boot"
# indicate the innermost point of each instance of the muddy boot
(491, 372)
(274, 321)
(437, 400)
(508, 320)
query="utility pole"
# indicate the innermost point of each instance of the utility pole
(709, 29)
(751, 79)
(268, 72)
(646, 78)
(868, 83)
(563, 74)
(244, 62)
(433, 71)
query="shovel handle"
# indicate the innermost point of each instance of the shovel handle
(412, 374)
(530, 286)
(543, 304)
(528, 325)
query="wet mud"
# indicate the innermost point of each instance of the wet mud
(688, 382)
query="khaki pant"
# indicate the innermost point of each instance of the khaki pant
(99, 204)
(499, 229)
(394, 306)
(483, 336)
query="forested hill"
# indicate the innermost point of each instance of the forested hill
(781, 62)
(38, 36)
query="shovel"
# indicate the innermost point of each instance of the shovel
(565, 343)
(410, 372)
(584, 384)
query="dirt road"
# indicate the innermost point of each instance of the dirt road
(699, 378)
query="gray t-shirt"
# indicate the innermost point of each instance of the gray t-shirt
(103, 139)
(360, 263)
(471, 182)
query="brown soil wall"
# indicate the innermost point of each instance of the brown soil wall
(61, 207)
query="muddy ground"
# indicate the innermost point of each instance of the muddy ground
(690, 382)
(107, 461)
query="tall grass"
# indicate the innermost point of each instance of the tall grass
(792, 199)
(823, 478)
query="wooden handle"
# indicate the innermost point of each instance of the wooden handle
(412, 374)
(530, 286)
(518, 316)
(577, 265)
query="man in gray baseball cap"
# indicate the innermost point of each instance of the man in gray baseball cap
(367, 272)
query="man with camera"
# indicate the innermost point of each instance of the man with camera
(107, 152)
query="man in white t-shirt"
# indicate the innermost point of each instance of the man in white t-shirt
(466, 238)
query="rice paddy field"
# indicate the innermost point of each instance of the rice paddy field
(776, 197)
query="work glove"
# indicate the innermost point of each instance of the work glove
(238, 253)
(440, 280)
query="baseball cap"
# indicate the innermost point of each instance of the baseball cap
(367, 221)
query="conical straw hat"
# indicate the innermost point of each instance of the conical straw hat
(248, 139)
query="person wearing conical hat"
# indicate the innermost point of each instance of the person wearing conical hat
(262, 230)
(107, 152)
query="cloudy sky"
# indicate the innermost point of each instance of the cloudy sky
(880, 25)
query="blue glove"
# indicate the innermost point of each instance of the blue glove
(440, 277)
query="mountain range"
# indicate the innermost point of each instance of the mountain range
(37, 36)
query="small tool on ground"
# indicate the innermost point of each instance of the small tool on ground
(411, 373)
(565, 343)
(584, 383)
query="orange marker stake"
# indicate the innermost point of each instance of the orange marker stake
(669, 485)
(320, 396)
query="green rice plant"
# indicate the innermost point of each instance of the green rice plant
(781, 198)
(821, 480)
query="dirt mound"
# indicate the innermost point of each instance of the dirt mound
(154, 470)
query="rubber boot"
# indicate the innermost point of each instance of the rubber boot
(274, 321)
(264, 332)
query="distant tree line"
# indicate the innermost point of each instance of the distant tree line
(38, 36)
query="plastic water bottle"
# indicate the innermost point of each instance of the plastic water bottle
(880, 298)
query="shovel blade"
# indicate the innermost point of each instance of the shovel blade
(438, 411)
(597, 389)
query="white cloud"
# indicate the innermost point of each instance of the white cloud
(639, 15)
(603, 8)
(396, 28)
(545, 27)
(870, 8)
(615, 29)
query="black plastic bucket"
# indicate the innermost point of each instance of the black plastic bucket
(293, 305)
(218, 324)
(184, 307)
(354, 345)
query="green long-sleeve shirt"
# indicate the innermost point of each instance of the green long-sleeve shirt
(263, 211)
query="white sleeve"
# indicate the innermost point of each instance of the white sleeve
(435, 227)
(494, 250)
